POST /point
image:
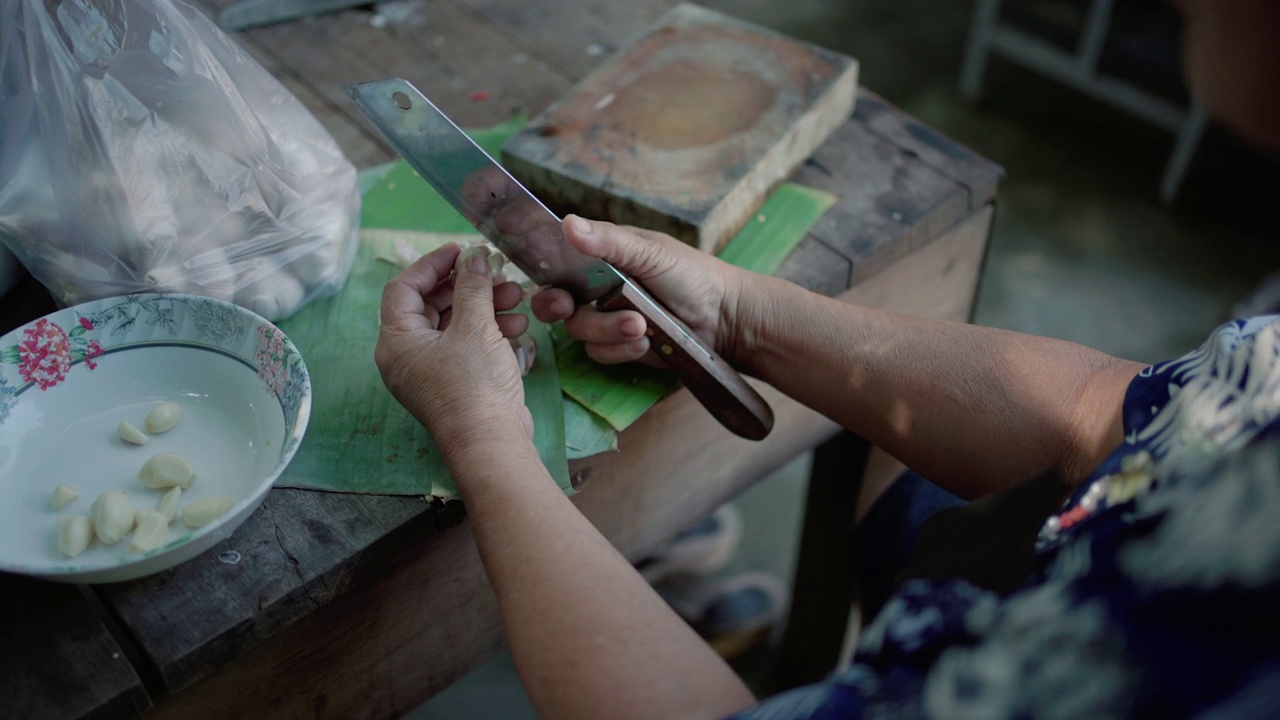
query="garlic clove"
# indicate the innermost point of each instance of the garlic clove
(152, 532)
(167, 470)
(111, 516)
(74, 534)
(163, 417)
(131, 434)
(63, 495)
(169, 503)
(199, 513)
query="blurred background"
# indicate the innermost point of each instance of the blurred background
(1085, 246)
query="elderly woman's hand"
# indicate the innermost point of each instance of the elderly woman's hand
(444, 355)
(704, 292)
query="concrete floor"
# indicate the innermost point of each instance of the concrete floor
(1082, 249)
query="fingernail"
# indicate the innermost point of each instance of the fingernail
(639, 346)
(479, 265)
(580, 225)
(630, 327)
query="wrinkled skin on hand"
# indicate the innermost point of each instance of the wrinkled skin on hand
(701, 290)
(443, 350)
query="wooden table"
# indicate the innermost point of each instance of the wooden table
(361, 606)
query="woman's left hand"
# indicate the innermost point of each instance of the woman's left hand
(444, 354)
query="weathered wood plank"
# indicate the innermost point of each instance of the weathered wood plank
(390, 644)
(978, 175)
(952, 263)
(814, 266)
(294, 555)
(579, 35)
(687, 129)
(469, 68)
(57, 659)
(890, 202)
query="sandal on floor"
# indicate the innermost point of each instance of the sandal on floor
(733, 614)
(700, 550)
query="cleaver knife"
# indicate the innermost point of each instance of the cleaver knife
(531, 237)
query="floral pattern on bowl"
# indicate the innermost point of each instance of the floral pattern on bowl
(47, 351)
(53, 393)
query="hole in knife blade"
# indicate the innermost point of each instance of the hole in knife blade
(402, 100)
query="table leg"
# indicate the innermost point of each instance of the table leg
(824, 587)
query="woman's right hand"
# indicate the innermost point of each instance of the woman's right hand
(698, 288)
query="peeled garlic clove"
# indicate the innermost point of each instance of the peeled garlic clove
(111, 516)
(152, 531)
(74, 534)
(163, 417)
(169, 503)
(167, 470)
(199, 513)
(63, 495)
(131, 434)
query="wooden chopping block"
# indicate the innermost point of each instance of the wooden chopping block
(688, 129)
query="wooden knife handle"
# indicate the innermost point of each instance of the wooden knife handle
(711, 380)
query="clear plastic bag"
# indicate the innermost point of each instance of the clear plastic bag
(142, 150)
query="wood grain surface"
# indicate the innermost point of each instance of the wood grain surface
(58, 658)
(687, 129)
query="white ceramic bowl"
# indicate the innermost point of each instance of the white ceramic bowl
(68, 379)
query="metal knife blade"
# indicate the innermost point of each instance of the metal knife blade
(530, 236)
(493, 201)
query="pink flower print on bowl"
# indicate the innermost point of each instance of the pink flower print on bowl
(92, 351)
(45, 354)
(269, 355)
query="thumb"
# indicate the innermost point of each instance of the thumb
(635, 255)
(472, 291)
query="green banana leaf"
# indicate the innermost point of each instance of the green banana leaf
(586, 433)
(359, 438)
(779, 225)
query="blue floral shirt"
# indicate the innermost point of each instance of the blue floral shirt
(1158, 579)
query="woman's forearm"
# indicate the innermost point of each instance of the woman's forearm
(974, 409)
(577, 616)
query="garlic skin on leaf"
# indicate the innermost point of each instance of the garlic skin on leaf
(74, 534)
(63, 495)
(402, 253)
(111, 516)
